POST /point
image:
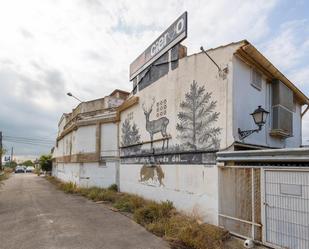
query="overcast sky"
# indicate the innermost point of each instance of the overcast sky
(50, 47)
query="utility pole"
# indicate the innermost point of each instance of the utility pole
(12, 152)
(1, 150)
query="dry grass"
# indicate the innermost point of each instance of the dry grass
(5, 175)
(162, 219)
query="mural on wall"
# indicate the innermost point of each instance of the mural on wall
(197, 133)
(152, 175)
(156, 125)
(196, 120)
(130, 135)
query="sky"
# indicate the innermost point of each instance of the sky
(51, 47)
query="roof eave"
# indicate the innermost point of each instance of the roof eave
(251, 54)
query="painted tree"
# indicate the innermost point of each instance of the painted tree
(130, 134)
(197, 118)
(135, 137)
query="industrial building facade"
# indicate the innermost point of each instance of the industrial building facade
(218, 133)
(86, 150)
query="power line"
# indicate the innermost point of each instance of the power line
(27, 138)
(28, 143)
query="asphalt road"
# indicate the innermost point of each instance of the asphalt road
(34, 214)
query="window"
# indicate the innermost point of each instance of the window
(102, 163)
(256, 79)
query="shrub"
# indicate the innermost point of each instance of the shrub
(69, 187)
(99, 194)
(184, 232)
(181, 231)
(93, 192)
(109, 195)
(3, 176)
(153, 212)
(113, 187)
(129, 203)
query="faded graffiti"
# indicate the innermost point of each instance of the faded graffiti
(152, 175)
(196, 120)
(156, 126)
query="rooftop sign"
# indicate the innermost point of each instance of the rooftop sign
(172, 36)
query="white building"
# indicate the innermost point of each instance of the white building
(186, 134)
(186, 109)
(86, 151)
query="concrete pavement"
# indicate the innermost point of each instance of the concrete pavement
(35, 215)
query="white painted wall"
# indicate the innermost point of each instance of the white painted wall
(246, 99)
(86, 139)
(109, 139)
(192, 188)
(174, 86)
(87, 174)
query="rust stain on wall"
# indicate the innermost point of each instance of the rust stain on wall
(152, 174)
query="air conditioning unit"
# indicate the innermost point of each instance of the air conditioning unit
(282, 110)
(282, 122)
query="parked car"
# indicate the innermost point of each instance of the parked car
(19, 169)
(29, 169)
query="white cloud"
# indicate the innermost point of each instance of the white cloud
(86, 46)
(290, 46)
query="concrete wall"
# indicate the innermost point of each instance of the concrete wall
(247, 98)
(193, 189)
(99, 170)
(109, 140)
(189, 180)
(87, 174)
(86, 139)
(166, 95)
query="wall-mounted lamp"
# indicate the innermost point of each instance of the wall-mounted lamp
(259, 117)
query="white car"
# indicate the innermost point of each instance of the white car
(29, 169)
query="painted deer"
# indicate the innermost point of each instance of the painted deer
(155, 126)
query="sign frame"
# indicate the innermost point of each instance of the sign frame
(161, 45)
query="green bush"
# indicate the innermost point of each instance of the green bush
(69, 187)
(129, 203)
(93, 193)
(113, 187)
(153, 212)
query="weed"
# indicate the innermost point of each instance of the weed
(69, 187)
(153, 212)
(113, 187)
(162, 219)
(129, 203)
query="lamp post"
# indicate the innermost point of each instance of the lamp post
(71, 95)
(259, 116)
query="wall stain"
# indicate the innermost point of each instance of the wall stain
(152, 175)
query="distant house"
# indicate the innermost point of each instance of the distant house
(86, 151)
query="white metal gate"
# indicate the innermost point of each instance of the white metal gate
(286, 208)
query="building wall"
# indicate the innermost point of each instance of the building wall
(166, 98)
(86, 139)
(244, 92)
(77, 157)
(87, 174)
(109, 140)
(175, 172)
(193, 189)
